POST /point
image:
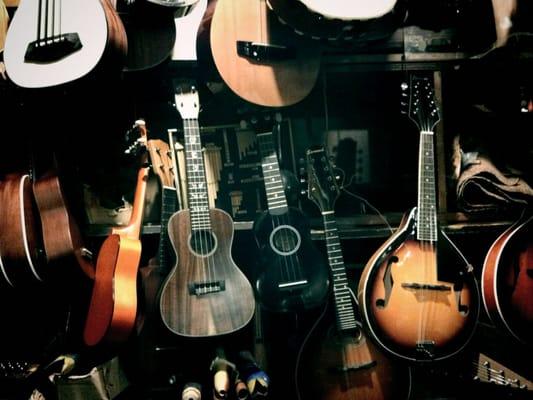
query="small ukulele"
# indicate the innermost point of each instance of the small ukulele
(113, 306)
(292, 275)
(54, 42)
(206, 294)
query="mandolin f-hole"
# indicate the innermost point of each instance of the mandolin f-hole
(388, 283)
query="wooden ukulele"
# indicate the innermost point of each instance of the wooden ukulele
(338, 361)
(507, 280)
(54, 42)
(21, 240)
(206, 294)
(418, 295)
(113, 308)
(259, 59)
(292, 274)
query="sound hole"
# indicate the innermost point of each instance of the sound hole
(203, 242)
(285, 240)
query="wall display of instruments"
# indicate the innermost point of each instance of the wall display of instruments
(251, 258)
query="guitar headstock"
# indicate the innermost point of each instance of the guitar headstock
(423, 109)
(264, 121)
(323, 188)
(162, 164)
(137, 137)
(187, 100)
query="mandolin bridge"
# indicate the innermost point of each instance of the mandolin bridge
(203, 288)
(426, 286)
(354, 367)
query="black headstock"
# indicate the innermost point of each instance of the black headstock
(423, 109)
(323, 188)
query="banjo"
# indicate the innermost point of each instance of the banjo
(340, 21)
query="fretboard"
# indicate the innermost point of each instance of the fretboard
(343, 300)
(427, 203)
(275, 193)
(168, 208)
(196, 181)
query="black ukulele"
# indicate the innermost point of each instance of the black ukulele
(292, 273)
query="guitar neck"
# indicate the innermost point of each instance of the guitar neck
(343, 301)
(427, 198)
(196, 180)
(133, 229)
(168, 208)
(276, 200)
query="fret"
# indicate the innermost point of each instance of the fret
(274, 188)
(426, 205)
(342, 296)
(196, 181)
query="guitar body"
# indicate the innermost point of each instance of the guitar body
(113, 306)
(288, 257)
(61, 235)
(186, 309)
(20, 240)
(151, 34)
(267, 82)
(98, 31)
(411, 308)
(507, 280)
(348, 366)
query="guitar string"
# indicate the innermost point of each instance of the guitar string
(498, 377)
(297, 268)
(205, 233)
(287, 243)
(196, 234)
(265, 151)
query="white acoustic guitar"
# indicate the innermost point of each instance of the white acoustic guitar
(50, 42)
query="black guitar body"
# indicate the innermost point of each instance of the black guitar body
(292, 274)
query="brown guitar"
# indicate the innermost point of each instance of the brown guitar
(507, 280)
(113, 308)
(61, 235)
(20, 238)
(418, 294)
(262, 61)
(338, 361)
(206, 294)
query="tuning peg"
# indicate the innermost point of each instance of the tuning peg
(404, 86)
(303, 192)
(302, 171)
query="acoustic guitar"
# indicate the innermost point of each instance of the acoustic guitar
(292, 273)
(507, 280)
(206, 294)
(258, 58)
(338, 361)
(54, 42)
(62, 238)
(418, 294)
(113, 307)
(21, 260)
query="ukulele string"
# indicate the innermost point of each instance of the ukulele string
(295, 260)
(204, 232)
